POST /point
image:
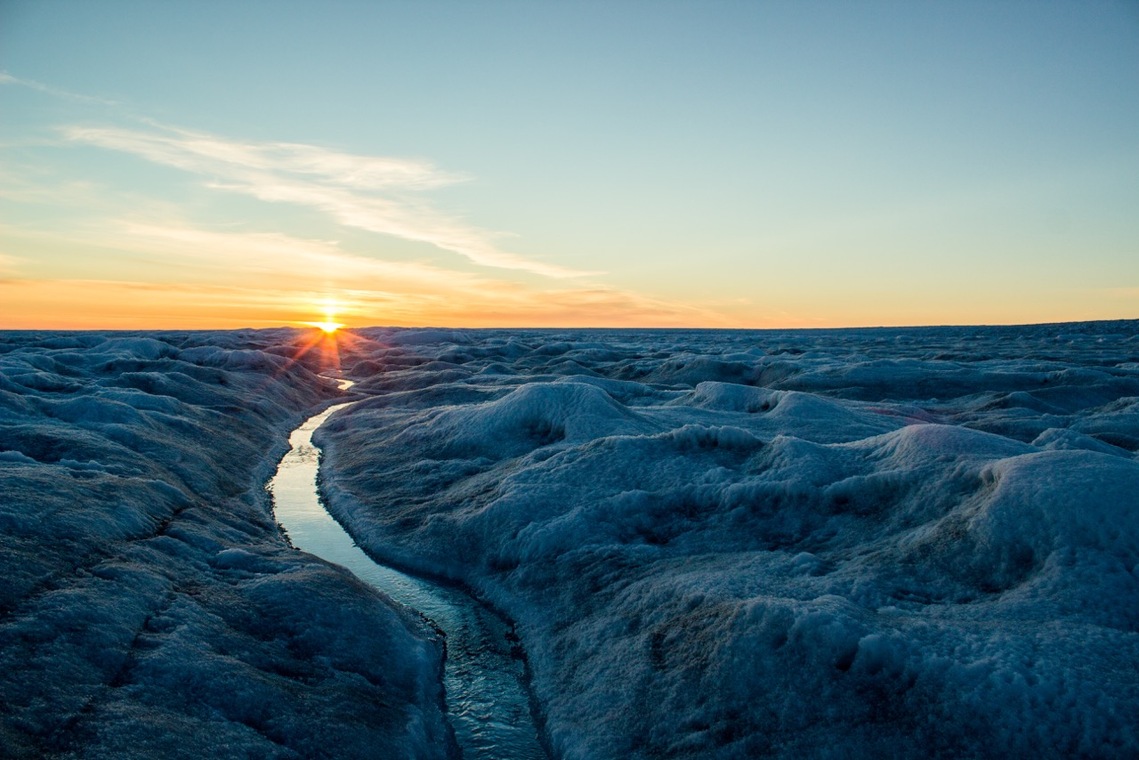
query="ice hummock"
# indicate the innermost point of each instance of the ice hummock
(858, 543)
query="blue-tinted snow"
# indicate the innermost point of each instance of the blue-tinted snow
(825, 544)
(149, 606)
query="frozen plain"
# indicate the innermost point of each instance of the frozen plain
(855, 543)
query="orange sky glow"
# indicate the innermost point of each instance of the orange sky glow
(733, 165)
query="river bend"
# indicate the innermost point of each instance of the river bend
(487, 701)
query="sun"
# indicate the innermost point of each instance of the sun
(329, 325)
(321, 346)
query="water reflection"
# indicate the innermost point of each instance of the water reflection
(486, 698)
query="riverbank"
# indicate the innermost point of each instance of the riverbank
(151, 607)
(485, 695)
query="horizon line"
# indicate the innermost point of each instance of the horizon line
(597, 328)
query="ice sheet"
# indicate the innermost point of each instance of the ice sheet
(150, 607)
(856, 543)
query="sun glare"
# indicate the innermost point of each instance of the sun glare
(325, 341)
(329, 325)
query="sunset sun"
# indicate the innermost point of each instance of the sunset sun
(329, 325)
(326, 339)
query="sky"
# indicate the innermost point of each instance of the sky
(649, 164)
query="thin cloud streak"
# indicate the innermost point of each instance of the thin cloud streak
(277, 256)
(283, 280)
(400, 292)
(365, 192)
(31, 84)
(99, 304)
(204, 153)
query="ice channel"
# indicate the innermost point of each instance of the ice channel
(487, 700)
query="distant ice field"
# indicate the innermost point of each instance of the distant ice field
(860, 543)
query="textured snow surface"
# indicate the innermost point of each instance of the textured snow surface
(865, 543)
(149, 605)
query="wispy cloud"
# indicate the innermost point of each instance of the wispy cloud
(282, 262)
(7, 264)
(8, 79)
(208, 154)
(373, 193)
(129, 304)
(594, 306)
(213, 278)
(402, 291)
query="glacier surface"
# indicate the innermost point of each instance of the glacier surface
(860, 543)
(150, 605)
(714, 544)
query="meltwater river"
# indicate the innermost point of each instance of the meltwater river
(488, 704)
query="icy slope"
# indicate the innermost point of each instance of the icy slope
(150, 607)
(846, 543)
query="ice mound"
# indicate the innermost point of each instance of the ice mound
(534, 415)
(731, 545)
(689, 369)
(730, 397)
(150, 607)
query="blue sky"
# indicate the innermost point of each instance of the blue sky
(716, 164)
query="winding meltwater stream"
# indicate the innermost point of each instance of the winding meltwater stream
(487, 700)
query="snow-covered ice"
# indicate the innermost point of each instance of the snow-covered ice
(858, 543)
(149, 606)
